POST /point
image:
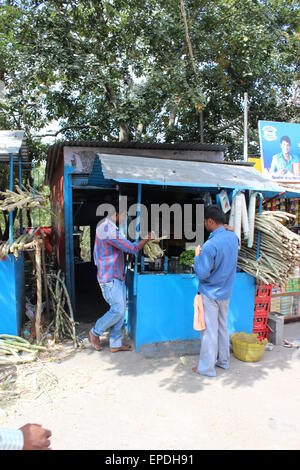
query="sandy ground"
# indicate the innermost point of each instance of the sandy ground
(124, 401)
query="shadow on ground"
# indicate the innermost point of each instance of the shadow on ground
(183, 379)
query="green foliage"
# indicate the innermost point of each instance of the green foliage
(186, 258)
(115, 69)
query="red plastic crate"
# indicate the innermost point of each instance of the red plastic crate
(262, 334)
(261, 309)
(263, 293)
(260, 323)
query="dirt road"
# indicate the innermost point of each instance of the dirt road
(124, 401)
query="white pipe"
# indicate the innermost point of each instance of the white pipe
(251, 215)
(245, 222)
(231, 217)
(238, 216)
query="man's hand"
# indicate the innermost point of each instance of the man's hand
(35, 437)
(149, 237)
(198, 250)
(227, 227)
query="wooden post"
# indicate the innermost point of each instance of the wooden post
(38, 289)
(45, 280)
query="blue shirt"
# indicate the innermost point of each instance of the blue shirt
(109, 250)
(216, 264)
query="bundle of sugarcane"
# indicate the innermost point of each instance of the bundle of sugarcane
(152, 249)
(279, 249)
(25, 198)
(24, 242)
(11, 346)
(63, 322)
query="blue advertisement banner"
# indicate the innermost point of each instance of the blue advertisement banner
(280, 150)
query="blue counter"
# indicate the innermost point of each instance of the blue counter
(163, 310)
(12, 294)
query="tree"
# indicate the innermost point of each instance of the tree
(149, 71)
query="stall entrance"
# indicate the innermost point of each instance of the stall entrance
(89, 302)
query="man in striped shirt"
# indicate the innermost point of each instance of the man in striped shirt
(109, 250)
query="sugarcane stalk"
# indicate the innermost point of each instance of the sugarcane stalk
(45, 280)
(39, 289)
(14, 338)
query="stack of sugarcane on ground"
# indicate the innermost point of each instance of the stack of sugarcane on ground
(12, 346)
(279, 249)
(63, 322)
(62, 315)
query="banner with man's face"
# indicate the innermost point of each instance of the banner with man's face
(280, 150)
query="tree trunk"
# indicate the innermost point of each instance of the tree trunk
(201, 124)
(172, 117)
(123, 132)
(139, 130)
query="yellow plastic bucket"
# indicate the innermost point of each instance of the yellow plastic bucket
(247, 347)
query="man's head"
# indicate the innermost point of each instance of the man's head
(213, 218)
(285, 144)
(115, 214)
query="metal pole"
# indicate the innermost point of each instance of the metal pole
(245, 127)
(11, 183)
(20, 184)
(138, 216)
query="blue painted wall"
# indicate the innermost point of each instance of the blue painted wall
(68, 201)
(241, 307)
(163, 307)
(12, 294)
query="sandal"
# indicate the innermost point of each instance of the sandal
(124, 347)
(287, 344)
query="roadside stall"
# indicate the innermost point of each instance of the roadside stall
(12, 287)
(161, 292)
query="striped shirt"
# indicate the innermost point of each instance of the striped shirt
(109, 250)
(11, 439)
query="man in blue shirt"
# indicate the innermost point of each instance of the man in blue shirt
(282, 163)
(215, 265)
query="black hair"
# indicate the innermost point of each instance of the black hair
(115, 202)
(286, 139)
(215, 213)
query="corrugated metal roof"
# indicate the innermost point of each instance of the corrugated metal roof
(141, 145)
(184, 173)
(55, 151)
(10, 143)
